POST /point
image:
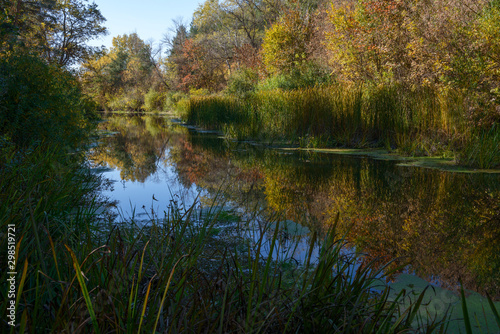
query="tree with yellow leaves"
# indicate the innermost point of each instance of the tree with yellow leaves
(285, 45)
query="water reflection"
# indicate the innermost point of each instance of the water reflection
(444, 225)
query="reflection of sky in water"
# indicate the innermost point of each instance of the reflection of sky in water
(437, 221)
(164, 185)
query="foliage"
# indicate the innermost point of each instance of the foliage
(40, 103)
(172, 99)
(285, 44)
(153, 100)
(309, 74)
(416, 43)
(56, 30)
(242, 82)
(175, 63)
(75, 22)
(120, 78)
(224, 37)
(205, 69)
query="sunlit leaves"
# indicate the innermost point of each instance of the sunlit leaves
(285, 43)
(428, 42)
(57, 30)
(121, 77)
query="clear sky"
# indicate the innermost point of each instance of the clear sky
(150, 19)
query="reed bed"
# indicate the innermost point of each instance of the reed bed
(417, 122)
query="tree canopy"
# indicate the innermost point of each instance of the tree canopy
(57, 30)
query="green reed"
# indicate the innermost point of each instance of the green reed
(482, 148)
(421, 121)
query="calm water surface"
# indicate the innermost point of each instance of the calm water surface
(442, 226)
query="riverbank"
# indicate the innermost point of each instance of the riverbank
(416, 123)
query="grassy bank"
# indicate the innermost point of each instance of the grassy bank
(422, 122)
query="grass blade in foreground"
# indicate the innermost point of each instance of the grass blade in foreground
(85, 292)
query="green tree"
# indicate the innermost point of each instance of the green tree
(21, 22)
(57, 30)
(40, 103)
(74, 23)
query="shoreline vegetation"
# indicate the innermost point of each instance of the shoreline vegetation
(444, 162)
(409, 124)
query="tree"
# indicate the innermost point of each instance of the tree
(217, 31)
(40, 103)
(120, 78)
(176, 63)
(413, 42)
(285, 45)
(203, 67)
(252, 17)
(57, 30)
(75, 22)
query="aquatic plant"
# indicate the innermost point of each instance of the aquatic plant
(420, 121)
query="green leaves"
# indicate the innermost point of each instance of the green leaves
(120, 78)
(40, 102)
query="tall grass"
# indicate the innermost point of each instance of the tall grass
(421, 121)
(482, 148)
(47, 196)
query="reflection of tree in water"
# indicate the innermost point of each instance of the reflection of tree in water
(137, 147)
(443, 224)
(206, 162)
(191, 165)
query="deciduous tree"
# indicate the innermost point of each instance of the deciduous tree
(285, 45)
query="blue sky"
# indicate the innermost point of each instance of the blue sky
(150, 19)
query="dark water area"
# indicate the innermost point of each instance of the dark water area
(442, 226)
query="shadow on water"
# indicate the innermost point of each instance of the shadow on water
(442, 226)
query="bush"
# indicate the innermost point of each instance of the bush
(308, 75)
(242, 82)
(153, 100)
(126, 102)
(40, 103)
(176, 101)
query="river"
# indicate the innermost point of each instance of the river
(443, 227)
